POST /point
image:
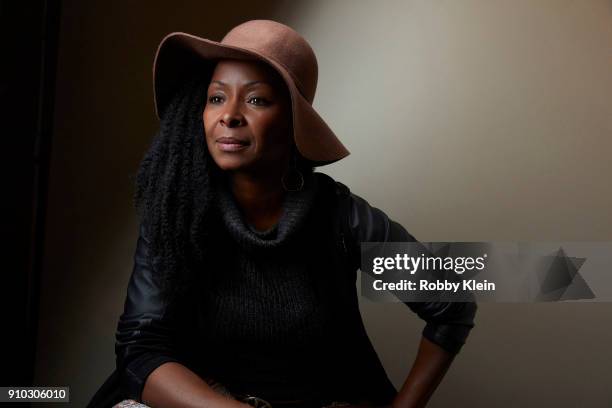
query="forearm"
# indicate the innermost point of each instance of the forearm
(174, 385)
(429, 368)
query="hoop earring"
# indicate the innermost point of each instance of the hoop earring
(299, 175)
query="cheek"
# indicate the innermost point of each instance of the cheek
(275, 125)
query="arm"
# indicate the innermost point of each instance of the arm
(447, 323)
(174, 385)
(150, 366)
(429, 367)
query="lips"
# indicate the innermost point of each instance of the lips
(231, 144)
(232, 140)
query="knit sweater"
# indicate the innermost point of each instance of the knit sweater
(266, 321)
(275, 313)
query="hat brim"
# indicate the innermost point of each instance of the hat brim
(178, 54)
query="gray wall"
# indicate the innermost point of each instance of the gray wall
(467, 120)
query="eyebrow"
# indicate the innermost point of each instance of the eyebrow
(248, 84)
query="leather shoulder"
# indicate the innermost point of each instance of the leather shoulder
(366, 223)
(371, 224)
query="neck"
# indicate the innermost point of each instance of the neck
(259, 196)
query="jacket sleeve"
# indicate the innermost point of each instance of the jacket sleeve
(145, 336)
(448, 323)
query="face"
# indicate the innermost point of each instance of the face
(247, 117)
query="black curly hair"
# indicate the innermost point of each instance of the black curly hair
(175, 187)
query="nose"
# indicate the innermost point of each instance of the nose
(232, 116)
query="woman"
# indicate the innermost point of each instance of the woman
(241, 292)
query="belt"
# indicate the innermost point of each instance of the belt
(257, 402)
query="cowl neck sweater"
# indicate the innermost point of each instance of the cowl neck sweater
(296, 206)
(278, 317)
(264, 319)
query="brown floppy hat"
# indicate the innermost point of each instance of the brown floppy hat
(271, 42)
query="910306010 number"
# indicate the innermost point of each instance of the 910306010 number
(34, 394)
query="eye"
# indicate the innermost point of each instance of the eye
(256, 100)
(215, 99)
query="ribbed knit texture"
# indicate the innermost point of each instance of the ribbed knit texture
(296, 206)
(264, 319)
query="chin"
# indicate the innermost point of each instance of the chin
(231, 163)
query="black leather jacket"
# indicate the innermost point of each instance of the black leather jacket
(146, 332)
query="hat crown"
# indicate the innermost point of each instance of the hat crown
(281, 44)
